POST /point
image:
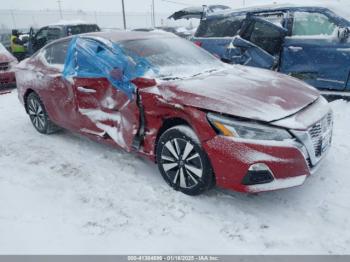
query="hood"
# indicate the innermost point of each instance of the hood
(242, 92)
(6, 59)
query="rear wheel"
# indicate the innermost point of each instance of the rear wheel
(39, 116)
(182, 162)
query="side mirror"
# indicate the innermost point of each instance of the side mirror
(343, 34)
(142, 82)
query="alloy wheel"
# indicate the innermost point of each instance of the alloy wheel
(182, 163)
(36, 114)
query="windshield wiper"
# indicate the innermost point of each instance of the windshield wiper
(169, 78)
(205, 72)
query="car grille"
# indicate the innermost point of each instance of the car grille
(317, 132)
(4, 66)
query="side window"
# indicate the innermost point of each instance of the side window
(264, 36)
(40, 39)
(42, 33)
(59, 52)
(56, 54)
(53, 34)
(74, 30)
(46, 54)
(312, 24)
(224, 27)
(84, 60)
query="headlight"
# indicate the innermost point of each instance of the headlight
(235, 128)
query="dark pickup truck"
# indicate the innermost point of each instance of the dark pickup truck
(52, 32)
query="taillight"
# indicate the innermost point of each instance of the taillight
(199, 43)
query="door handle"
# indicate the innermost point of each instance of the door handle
(39, 75)
(86, 90)
(295, 48)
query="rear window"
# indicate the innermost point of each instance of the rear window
(53, 34)
(224, 27)
(81, 29)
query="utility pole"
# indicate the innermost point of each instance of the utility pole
(243, 2)
(152, 24)
(153, 15)
(95, 14)
(13, 19)
(124, 20)
(60, 8)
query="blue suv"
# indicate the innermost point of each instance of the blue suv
(309, 43)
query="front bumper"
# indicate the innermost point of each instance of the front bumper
(278, 184)
(231, 159)
(280, 164)
(284, 164)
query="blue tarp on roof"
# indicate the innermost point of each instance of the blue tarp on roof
(89, 58)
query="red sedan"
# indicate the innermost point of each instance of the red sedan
(202, 122)
(7, 62)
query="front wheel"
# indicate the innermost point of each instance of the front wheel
(182, 162)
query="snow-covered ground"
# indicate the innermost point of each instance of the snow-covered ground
(65, 194)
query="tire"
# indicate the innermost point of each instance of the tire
(38, 115)
(182, 162)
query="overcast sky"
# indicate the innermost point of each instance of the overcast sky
(107, 5)
(24, 19)
(131, 5)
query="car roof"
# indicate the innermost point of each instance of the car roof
(120, 36)
(116, 36)
(267, 8)
(70, 23)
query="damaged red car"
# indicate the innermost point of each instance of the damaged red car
(203, 122)
(7, 63)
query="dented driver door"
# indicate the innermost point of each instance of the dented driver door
(106, 112)
(101, 74)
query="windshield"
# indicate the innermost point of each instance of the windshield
(80, 29)
(173, 57)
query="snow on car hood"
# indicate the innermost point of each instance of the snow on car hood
(243, 92)
(5, 56)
